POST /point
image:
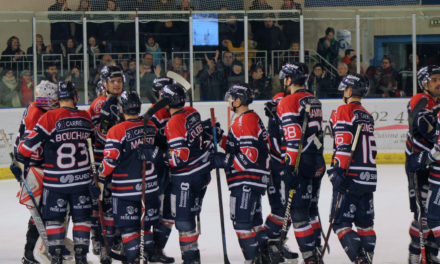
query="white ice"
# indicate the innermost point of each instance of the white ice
(392, 223)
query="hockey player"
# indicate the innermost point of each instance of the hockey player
(291, 112)
(162, 230)
(63, 135)
(275, 190)
(247, 164)
(46, 98)
(105, 113)
(190, 169)
(420, 140)
(354, 177)
(129, 144)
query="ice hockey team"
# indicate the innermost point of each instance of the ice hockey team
(148, 173)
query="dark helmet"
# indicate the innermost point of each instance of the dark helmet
(242, 91)
(176, 94)
(159, 84)
(358, 83)
(66, 90)
(424, 74)
(100, 89)
(109, 72)
(130, 102)
(298, 71)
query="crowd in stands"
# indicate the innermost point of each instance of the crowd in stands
(110, 42)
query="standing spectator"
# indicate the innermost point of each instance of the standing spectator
(178, 67)
(290, 27)
(106, 30)
(385, 74)
(319, 83)
(258, 5)
(8, 89)
(92, 28)
(231, 29)
(349, 54)
(270, 37)
(260, 84)
(164, 5)
(59, 31)
(328, 46)
(171, 36)
(12, 54)
(152, 46)
(26, 88)
(237, 74)
(210, 79)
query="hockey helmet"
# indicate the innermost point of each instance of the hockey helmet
(130, 102)
(159, 84)
(298, 71)
(358, 83)
(109, 72)
(176, 94)
(67, 90)
(242, 91)
(100, 89)
(424, 75)
(46, 94)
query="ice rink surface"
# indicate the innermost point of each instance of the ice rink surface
(391, 224)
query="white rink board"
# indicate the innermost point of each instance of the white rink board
(388, 113)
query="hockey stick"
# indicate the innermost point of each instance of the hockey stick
(284, 230)
(142, 257)
(219, 190)
(413, 177)
(108, 250)
(322, 232)
(339, 197)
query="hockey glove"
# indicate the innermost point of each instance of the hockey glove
(16, 170)
(291, 180)
(219, 160)
(270, 109)
(94, 190)
(147, 152)
(207, 128)
(419, 160)
(339, 182)
(109, 111)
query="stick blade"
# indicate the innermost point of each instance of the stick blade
(179, 79)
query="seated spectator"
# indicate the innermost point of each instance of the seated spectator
(147, 75)
(71, 52)
(237, 74)
(26, 88)
(210, 78)
(93, 49)
(50, 73)
(319, 83)
(261, 84)
(12, 54)
(391, 89)
(294, 52)
(130, 75)
(9, 90)
(290, 27)
(41, 48)
(178, 67)
(77, 78)
(384, 74)
(328, 46)
(152, 46)
(349, 53)
(342, 72)
(270, 37)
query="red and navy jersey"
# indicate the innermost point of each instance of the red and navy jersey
(187, 153)
(275, 132)
(121, 160)
(424, 124)
(63, 134)
(95, 109)
(291, 112)
(344, 122)
(94, 112)
(160, 119)
(30, 118)
(248, 148)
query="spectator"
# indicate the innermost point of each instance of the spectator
(50, 73)
(92, 28)
(270, 37)
(319, 83)
(147, 75)
(41, 48)
(26, 88)
(349, 54)
(152, 46)
(391, 89)
(59, 31)
(8, 89)
(164, 5)
(232, 29)
(239, 51)
(257, 24)
(406, 74)
(211, 79)
(76, 77)
(12, 54)
(225, 68)
(290, 27)
(148, 59)
(178, 67)
(385, 74)
(93, 50)
(130, 75)
(328, 46)
(71, 52)
(294, 52)
(261, 84)
(185, 6)
(106, 30)
(237, 74)
(171, 36)
(342, 72)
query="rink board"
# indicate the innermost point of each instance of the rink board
(390, 115)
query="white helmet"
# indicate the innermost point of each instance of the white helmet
(46, 94)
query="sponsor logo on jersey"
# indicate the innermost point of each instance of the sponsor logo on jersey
(67, 178)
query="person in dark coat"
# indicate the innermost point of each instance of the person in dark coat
(210, 79)
(328, 46)
(12, 55)
(59, 31)
(319, 83)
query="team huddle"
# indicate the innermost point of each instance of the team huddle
(152, 171)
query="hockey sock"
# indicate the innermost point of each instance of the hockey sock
(273, 226)
(131, 241)
(368, 238)
(262, 237)
(248, 242)
(162, 232)
(189, 246)
(435, 227)
(304, 236)
(414, 246)
(81, 235)
(110, 228)
(55, 235)
(31, 239)
(148, 242)
(316, 226)
(349, 239)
